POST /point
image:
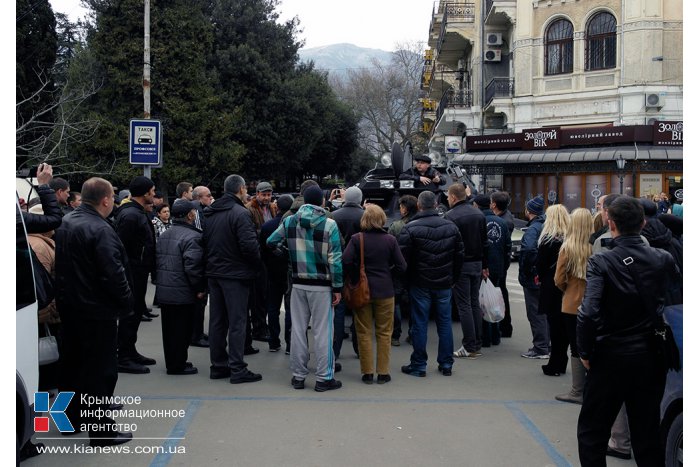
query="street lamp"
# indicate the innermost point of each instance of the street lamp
(620, 167)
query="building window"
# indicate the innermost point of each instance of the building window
(601, 42)
(559, 48)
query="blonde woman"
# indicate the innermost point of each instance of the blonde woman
(381, 256)
(570, 277)
(551, 239)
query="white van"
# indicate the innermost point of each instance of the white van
(27, 338)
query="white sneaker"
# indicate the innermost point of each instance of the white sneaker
(461, 353)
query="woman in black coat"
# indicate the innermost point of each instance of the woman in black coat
(549, 243)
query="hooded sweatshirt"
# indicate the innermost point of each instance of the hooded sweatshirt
(313, 241)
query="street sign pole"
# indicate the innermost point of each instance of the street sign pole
(147, 69)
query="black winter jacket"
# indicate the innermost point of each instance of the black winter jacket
(276, 261)
(179, 265)
(499, 244)
(472, 226)
(231, 245)
(92, 278)
(433, 250)
(37, 223)
(348, 219)
(615, 316)
(413, 174)
(136, 232)
(546, 266)
(528, 253)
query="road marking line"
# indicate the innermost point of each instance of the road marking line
(541, 439)
(176, 434)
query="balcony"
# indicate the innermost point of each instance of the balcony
(499, 88)
(453, 14)
(500, 12)
(454, 99)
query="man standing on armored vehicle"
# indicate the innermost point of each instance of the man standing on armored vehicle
(422, 172)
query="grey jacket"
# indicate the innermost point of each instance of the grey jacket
(179, 265)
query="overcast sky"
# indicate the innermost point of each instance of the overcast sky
(377, 24)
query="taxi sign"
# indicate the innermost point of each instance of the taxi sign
(145, 142)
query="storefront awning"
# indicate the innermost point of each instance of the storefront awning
(597, 154)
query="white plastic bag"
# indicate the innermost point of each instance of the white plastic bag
(493, 308)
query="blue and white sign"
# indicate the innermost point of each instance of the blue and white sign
(145, 138)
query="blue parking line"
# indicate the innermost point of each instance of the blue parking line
(558, 459)
(178, 431)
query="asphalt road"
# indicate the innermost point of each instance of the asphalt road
(498, 410)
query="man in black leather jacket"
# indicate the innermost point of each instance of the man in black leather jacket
(422, 173)
(136, 233)
(621, 308)
(92, 293)
(434, 252)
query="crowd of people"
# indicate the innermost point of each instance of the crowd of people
(246, 256)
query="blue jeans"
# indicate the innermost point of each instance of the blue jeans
(421, 301)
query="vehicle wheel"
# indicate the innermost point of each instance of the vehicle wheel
(674, 443)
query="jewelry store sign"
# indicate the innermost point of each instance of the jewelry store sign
(548, 138)
(668, 133)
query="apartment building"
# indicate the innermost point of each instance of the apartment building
(570, 99)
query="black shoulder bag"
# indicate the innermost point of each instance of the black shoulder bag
(663, 335)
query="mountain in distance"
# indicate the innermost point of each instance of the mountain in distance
(338, 59)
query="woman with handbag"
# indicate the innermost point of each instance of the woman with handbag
(570, 278)
(370, 257)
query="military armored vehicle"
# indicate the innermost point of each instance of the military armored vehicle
(382, 185)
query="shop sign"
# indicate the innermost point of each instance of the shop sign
(453, 144)
(502, 141)
(668, 133)
(600, 135)
(548, 138)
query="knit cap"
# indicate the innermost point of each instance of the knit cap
(536, 205)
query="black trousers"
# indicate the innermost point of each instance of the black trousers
(275, 298)
(258, 303)
(227, 323)
(505, 326)
(129, 326)
(198, 320)
(638, 381)
(89, 364)
(559, 341)
(176, 323)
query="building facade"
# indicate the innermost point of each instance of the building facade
(586, 67)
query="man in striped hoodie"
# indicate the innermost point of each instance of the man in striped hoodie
(312, 241)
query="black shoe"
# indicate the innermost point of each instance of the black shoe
(409, 370)
(547, 370)
(328, 385)
(115, 439)
(381, 379)
(247, 377)
(200, 343)
(188, 370)
(145, 318)
(620, 455)
(338, 367)
(275, 348)
(445, 370)
(297, 383)
(148, 314)
(219, 373)
(368, 378)
(250, 351)
(130, 366)
(485, 344)
(205, 336)
(143, 360)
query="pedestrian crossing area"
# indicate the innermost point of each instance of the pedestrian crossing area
(515, 291)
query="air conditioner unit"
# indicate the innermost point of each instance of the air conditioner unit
(494, 38)
(492, 56)
(651, 121)
(654, 100)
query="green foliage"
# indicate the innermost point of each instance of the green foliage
(226, 86)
